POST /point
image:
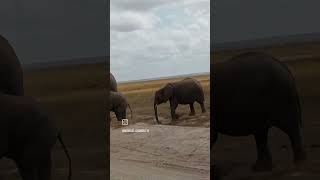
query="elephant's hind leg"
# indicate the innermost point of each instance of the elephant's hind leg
(264, 159)
(203, 109)
(295, 135)
(192, 111)
(44, 168)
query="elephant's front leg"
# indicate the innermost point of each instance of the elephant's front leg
(173, 107)
(27, 173)
(264, 159)
(192, 111)
(34, 162)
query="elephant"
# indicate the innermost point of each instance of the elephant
(253, 92)
(27, 137)
(11, 73)
(186, 91)
(113, 83)
(118, 105)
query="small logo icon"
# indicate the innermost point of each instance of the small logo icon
(125, 122)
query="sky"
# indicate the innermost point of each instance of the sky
(237, 20)
(159, 38)
(47, 30)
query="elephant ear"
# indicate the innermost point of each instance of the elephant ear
(167, 92)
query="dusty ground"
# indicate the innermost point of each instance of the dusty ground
(73, 95)
(236, 155)
(174, 150)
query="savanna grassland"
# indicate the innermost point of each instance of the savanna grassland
(237, 154)
(176, 150)
(74, 96)
(140, 96)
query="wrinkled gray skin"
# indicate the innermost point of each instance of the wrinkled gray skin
(119, 105)
(11, 74)
(113, 83)
(186, 91)
(253, 92)
(27, 137)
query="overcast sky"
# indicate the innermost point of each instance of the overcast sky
(47, 30)
(159, 38)
(236, 20)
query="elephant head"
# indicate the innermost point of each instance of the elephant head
(162, 96)
(119, 105)
(121, 112)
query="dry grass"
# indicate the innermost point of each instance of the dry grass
(140, 95)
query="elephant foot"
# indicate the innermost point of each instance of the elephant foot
(176, 116)
(192, 113)
(262, 166)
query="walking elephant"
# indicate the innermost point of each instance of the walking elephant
(253, 92)
(11, 74)
(186, 91)
(27, 137)
(113, 83)
(118, 105)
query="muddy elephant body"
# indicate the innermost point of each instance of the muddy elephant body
(27, 137)
(113, 83)
(118, 105)
(186, 91)
(11, 74)
(253, 92)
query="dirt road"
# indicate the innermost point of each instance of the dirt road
(164, 152)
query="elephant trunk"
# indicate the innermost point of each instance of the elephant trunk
(130, 111)
(156, 113)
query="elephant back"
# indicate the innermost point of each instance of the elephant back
(113, 83)
(188, 90)
(11, 74)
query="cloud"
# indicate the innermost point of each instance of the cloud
(140, 5)
(131, 21)
(163, 38)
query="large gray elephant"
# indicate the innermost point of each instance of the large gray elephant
(28, 136)
(113, 83)
(118, 105)
(186, 91)
(11, 74)
(253, 92)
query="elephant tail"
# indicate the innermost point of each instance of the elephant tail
(67, 154)
(298, 105)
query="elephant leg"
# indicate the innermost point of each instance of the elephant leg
(264, 159)
(173, 107)
(25, 166)
(192, 111)
(295, 135)
(34, 162)
(27, 173)
(44, 168)
(203, 109)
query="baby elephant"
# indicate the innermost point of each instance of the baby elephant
(27, 137)
(119, 105)
(186, 91)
